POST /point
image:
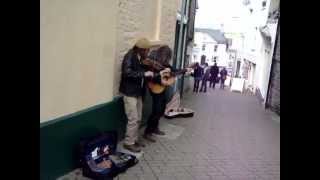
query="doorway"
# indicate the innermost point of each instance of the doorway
(238, 69)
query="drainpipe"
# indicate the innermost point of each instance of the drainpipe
(180, 38)
(184, 46)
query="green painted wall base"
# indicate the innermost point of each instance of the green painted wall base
(59, 138)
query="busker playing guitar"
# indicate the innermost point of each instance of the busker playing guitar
(157, 89)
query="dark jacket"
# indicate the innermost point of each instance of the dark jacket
(223, 74)
(132, 76)
(206, 74)
(214, 71)
(198, 72)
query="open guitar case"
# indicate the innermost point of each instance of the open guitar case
(98, 158)
(174, 110)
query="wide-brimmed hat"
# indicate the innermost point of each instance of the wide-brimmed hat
(143, 43)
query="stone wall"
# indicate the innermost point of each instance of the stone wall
(132, 24)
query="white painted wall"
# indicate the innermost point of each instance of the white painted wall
(237, 41)
(77, 52)
(223, 58)
(265, 62)
(255, 20)
(262, 54)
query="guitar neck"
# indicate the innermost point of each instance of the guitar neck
(178, 72)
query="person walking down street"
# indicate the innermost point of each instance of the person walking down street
(197, 74)
(214, 71)
(132, 88)
(223, 76)
(205, 78)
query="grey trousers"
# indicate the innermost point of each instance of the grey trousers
(133, 110)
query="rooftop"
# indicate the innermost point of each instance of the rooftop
(216, 34)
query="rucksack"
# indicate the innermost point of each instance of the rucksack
(98, 157)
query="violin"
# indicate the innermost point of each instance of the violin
(155, 65)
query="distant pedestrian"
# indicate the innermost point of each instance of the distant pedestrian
(223, 77)
(205, 78)
(214, 71)
(197, 74)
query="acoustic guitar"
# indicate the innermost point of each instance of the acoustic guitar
(167, 77)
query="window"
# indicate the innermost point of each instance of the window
(246, 2)
(264, 3)
(203, 47)
(215, 48)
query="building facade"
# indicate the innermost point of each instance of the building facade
(211, 44)
(267, 36)
(273, 96)
(255, 55)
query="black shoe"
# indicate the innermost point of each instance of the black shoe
(133, 148)
(149, 137)
(140, 144)
(158, 132)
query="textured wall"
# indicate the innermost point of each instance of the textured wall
(83, 43)
(168, 21)
(135, 20)
(77, 52)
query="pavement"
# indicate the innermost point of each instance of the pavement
(230, 137)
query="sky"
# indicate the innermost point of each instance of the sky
(213, 13)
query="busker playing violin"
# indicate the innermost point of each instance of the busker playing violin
(133, 74)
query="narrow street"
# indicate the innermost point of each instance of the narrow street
(97, 57)
(230, 137)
